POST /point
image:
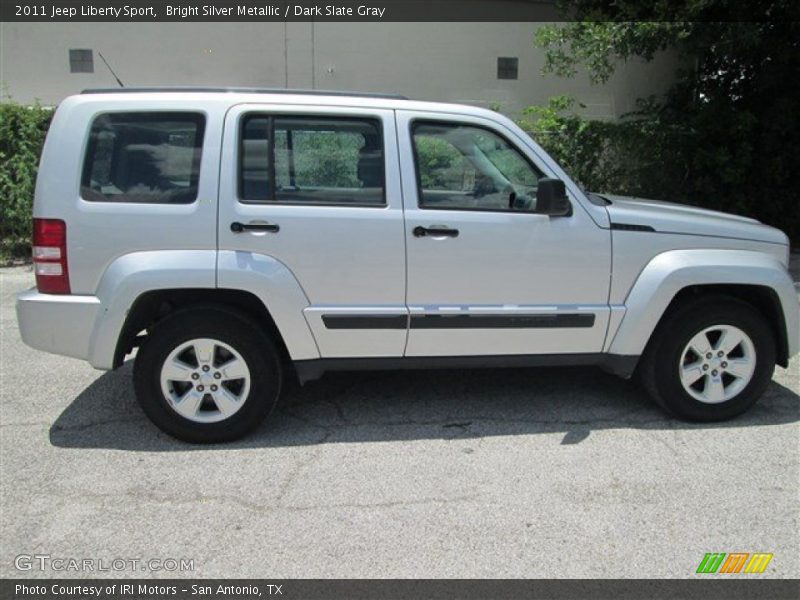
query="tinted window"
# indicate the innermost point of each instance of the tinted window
(312, 160)
(143, 157)
(254, 162)
(465, 167)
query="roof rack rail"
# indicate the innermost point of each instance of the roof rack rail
(240, 90)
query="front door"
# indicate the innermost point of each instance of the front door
(318, 189)
(486, 274)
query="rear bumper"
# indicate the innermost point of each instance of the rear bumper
(57, 324)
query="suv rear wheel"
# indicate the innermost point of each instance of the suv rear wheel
(710, 360)
(207, 375)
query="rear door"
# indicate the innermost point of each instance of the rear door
(318, 189)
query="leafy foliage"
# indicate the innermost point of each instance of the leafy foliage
(321, 159)
(22, 132)
(636, 156)
(726, 134)
(439, 163)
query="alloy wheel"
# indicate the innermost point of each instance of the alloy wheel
(205, 380)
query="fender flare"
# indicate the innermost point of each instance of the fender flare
(272, 282)
(131, 275)
(670, 272)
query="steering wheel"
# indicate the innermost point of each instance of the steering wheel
(517, 201)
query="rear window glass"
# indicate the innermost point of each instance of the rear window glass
(143, 157)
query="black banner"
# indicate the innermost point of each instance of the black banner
(274, 10)
(729, 588)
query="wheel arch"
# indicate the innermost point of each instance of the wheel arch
(761, 297)
(153, 306)
(136, 286)
(673, 278)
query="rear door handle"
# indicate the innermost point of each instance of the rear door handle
(237, 227)
(434, 231)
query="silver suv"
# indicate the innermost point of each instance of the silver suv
(237, 236)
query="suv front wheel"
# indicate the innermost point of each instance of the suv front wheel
(709, 360)
(207, 375)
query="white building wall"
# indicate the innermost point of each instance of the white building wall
(429, 61)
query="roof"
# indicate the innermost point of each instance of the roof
(240, 90)
(244, 95)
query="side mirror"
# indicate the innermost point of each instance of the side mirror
(551, 198)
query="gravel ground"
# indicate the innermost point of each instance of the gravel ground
(506, 473)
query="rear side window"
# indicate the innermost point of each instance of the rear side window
(311, 160)
(143, 157)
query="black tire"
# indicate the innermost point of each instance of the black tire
(230, 327)
(659, 370)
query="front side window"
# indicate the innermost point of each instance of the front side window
(466, 167)
(143, 157)
(311, 160)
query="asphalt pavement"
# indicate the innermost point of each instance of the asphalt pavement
(566, 472)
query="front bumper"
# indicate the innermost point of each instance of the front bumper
(57, 324)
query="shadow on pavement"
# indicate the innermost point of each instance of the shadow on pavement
(409, 405)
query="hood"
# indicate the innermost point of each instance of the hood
(668, 217)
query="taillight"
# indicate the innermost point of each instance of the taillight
(50, 256)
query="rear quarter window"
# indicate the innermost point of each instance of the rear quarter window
(143, 157)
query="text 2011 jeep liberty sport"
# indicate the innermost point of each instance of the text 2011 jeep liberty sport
(234, 236)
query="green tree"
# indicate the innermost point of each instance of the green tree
(730, 121)
(22, 133)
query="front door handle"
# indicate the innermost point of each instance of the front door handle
(434, 231)
(237, 227)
